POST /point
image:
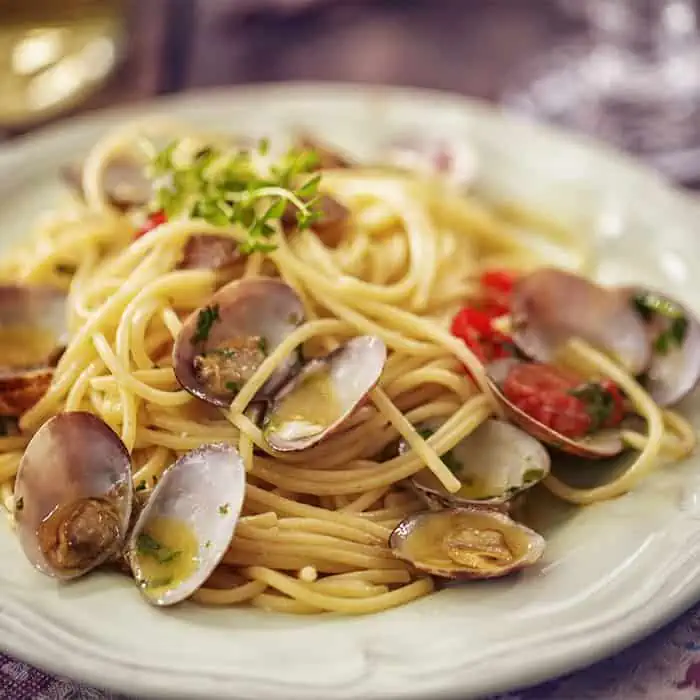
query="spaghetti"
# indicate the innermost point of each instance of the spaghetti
(314, 530)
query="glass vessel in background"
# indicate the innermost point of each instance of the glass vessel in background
(632, 79)
(53, 53)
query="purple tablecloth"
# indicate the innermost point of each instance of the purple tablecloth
(665, 666)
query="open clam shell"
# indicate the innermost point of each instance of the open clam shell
(604, 443)
(551, 306)
(323, 394)
(466, 543)
(455, 161)
(674, 331)
(124, 181)
(188, 523)
(243, 322)
(33, 332)
(494, 464)
(73, 495)
(206, 251)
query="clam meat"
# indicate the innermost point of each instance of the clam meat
(466, 543)
(222, 345)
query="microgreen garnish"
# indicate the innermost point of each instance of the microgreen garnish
(224, 509)
(233, 187)
(648, 304)
(150, 547)
(206, 318)
(141, 485)
(598, 402)
(19, 504)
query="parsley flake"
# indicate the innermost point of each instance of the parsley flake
(224, 509)
(206, 318)
(19, 504)
(150, 547)
(141, 485)
(648, 304)
(262, 345)
(234, 387)
(598, 402)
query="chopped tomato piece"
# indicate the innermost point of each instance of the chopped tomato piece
(155, 219)
(559, 399)
(497, 288)
(475, 328)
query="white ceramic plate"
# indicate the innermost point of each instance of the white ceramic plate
(612, 572)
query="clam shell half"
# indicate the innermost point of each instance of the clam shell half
(551, 306)
(73, 495)
(258, 311)
(494, 464)
(188, 523)
(604, 443)
(466, 544)
(324, 394)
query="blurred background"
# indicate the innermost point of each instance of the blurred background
(627, 71)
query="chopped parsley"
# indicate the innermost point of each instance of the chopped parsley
(141, 485)
(150, 547)
(598, 402)
(235, 187)
(648, 304)
(207, 544)
(294, 319)
(19, 504)
(206, 318)
(233, 387)
(262, 345)
(65, 269)
(674, 335)
(224, 509)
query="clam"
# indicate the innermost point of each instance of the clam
(221, 345)
(674, 332)
(32, 333)
(466, 543)
(188, 523)
(323, 394)
(204, 251)
(125, 182)
(456, 161)
(73, 495)
(551, 306)
(494, 464)
(598, 445)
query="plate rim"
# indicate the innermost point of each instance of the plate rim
(16, 637)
